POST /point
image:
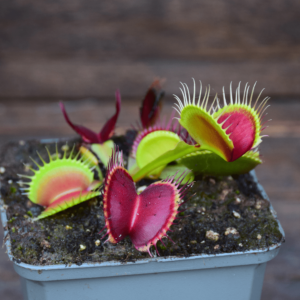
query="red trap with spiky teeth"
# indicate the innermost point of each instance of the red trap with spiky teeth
(146, 217)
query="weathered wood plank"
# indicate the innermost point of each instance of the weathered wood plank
(29, 118)
(82, 78)
(67, 48)
(151, 29)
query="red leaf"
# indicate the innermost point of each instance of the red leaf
(119, 202)
(241, 130)
(109, 126)
(90, 136)
(155, 214)
(151, 105)
(87, 135)
(145, 218)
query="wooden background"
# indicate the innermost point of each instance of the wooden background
(81, 51)
(77, 48)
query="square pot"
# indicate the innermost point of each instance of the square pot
(237, 275)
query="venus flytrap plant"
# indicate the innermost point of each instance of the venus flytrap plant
(229, 131)
(214, 141)
(60, 183)
(154, 141)
(225, 136)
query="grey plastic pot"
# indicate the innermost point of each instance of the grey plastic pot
(208, 277)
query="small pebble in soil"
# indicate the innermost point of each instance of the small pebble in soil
(212, 181)
(258, 205)
(82, 247)
(45, 244)
(259, 237)
(236, 214)
(68, 227)
(214, 236)
(216, 247)
(238, 200)
(231, 230)
(223, 195)
(240, 244)
(97, 243)
(10, 181)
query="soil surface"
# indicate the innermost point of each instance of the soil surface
(223, 215)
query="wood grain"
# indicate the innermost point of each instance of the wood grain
(77, 78)
(65, 48)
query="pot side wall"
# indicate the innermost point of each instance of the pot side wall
(242, 282)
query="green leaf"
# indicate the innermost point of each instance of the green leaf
(209, 163)
(206, 131)
(103, 151)
(179, 151)
(153, 146)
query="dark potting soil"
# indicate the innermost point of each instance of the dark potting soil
(223, 215)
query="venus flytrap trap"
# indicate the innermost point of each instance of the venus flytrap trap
(60, 183)
(229, 131)
(145, 217)
(153, 142)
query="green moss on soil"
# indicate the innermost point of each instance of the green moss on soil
(72, 236)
